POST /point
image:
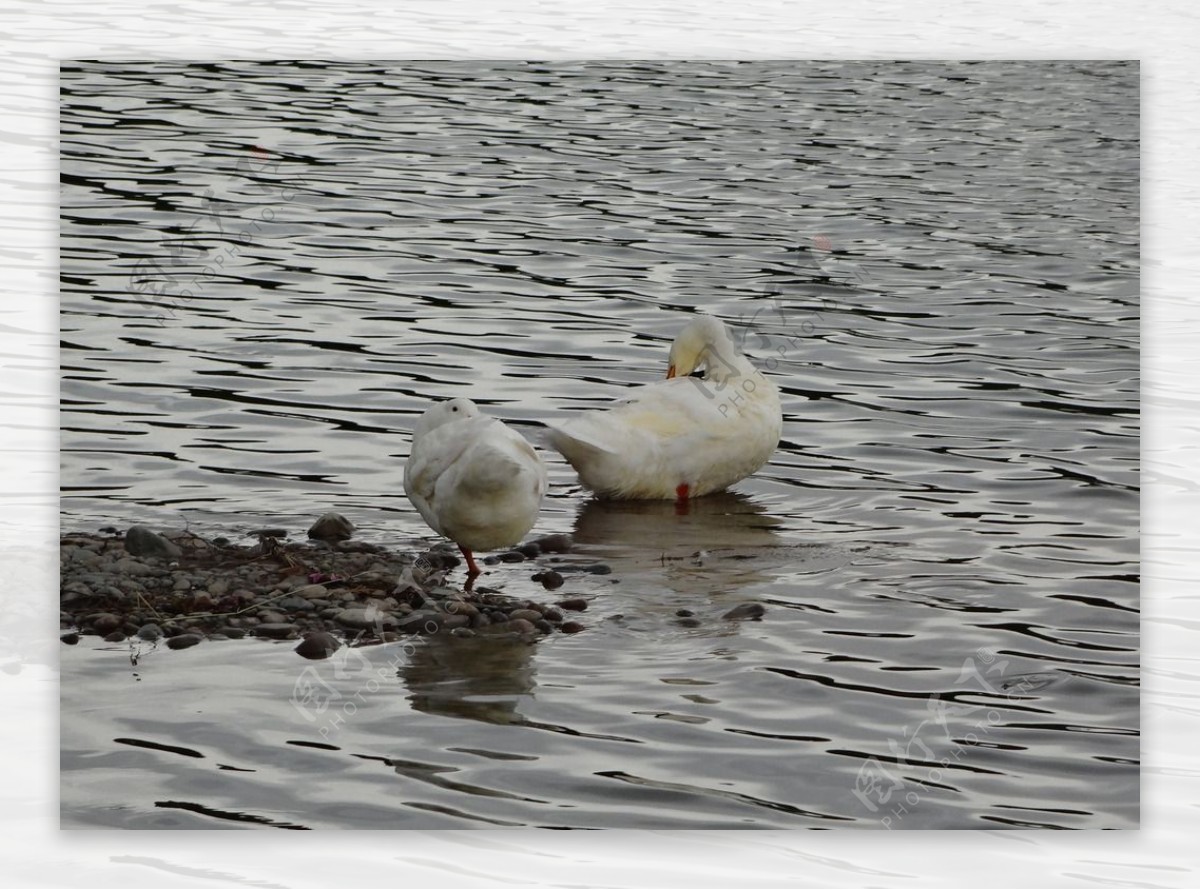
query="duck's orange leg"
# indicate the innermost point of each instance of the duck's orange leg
(681, 499)
(472, 569)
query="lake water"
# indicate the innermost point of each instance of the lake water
(270, 269)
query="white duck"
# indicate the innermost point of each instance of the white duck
(682, 437)
(473, 479)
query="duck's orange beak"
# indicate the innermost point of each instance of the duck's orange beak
(670, 372)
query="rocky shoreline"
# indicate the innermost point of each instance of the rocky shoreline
(181, 589)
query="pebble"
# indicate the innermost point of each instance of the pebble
(231, 592)
(104, 622)
(203, 602)
(553, 543)
(141, 541)
(318, 645)
(332, 527)
(597, 569)
(437, 559)
(688, 621)
(276, 630)
(684, 613)
(573, 604)
(745, 610)
(184, 641)
(461, 607)
(312, 591)
(365, 619)
(128, 566)
(571, 627)
(294, 604)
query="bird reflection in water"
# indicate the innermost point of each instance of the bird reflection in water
(718, 542)
(479, 679)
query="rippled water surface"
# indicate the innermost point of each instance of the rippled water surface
(269, 269)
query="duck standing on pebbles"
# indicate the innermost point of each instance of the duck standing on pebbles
(473, 479)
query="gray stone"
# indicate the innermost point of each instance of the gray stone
(553, 543)
(184, 641)
(276, 630)
(103, 622)
(331, 527)
(365, 619)
(752, 611)
(311, 591)
(318, 645)
(294, 604)
(141, 541)
(149, 632)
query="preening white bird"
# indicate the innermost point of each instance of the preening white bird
(473, 479)
(682, 437)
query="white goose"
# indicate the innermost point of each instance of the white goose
(682, 437)
(473, 479)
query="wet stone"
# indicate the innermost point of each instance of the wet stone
(571, 627)
(684, 613)
(573, 604)
(688, 621)
(275, 630)
(551, 580)
(520, 626)
(149, 632)
(752, 611)
(529, 550)
(117, 636)
(511, 556)
(70, 639)
(141, 541)
(294, 604)
(365, 619)
(318, 645)
(331, 527)
(526, 614)
(553, 543)
(104, 622)
(184, 641)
